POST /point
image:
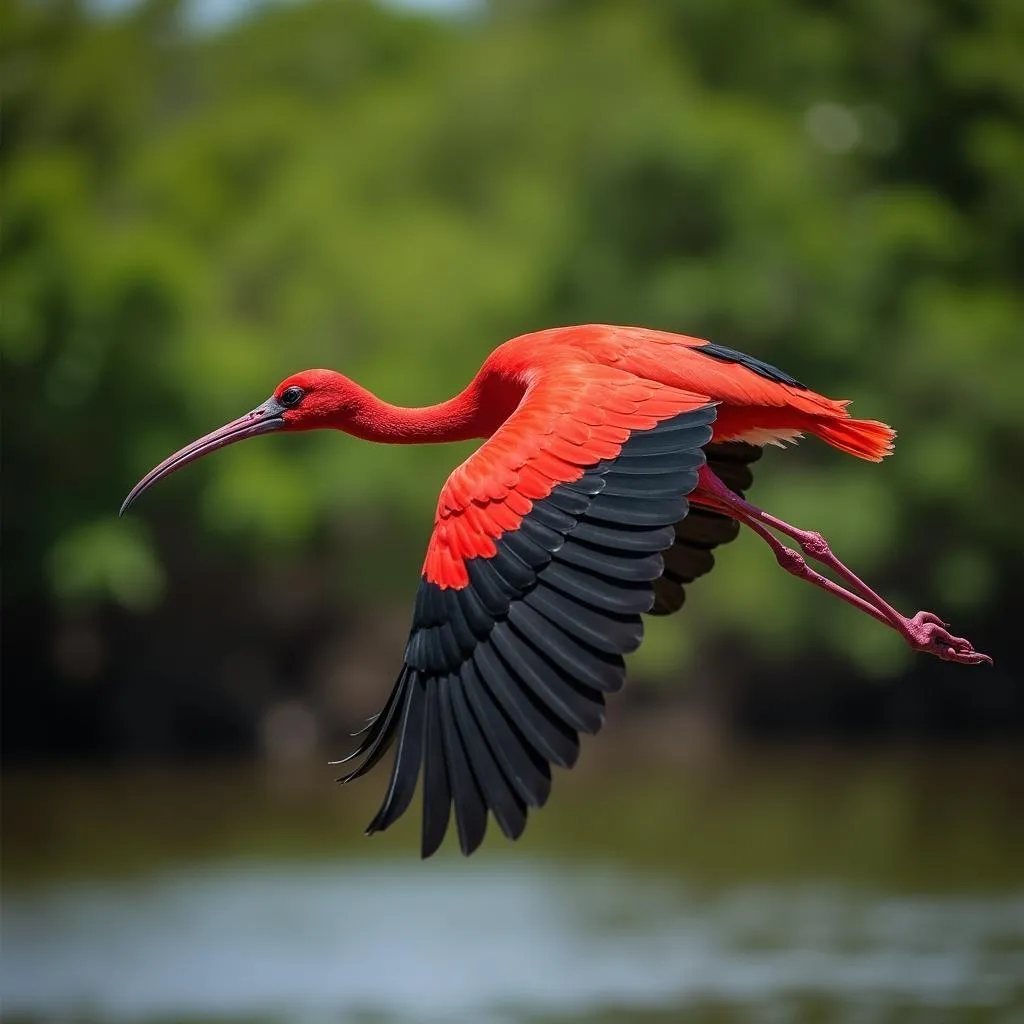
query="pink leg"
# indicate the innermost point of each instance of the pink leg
(924, 632)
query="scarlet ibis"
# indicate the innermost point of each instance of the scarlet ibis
(616, 459)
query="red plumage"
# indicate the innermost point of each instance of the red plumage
(582, 391)
(616, 459)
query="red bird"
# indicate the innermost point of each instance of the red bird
(615, 460)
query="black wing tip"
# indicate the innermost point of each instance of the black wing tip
(752, 363)
(347, 759)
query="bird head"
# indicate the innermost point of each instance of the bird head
(304, 401)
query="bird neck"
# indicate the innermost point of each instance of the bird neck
(465, 417)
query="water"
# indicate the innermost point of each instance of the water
(132, 899)
(336, 941)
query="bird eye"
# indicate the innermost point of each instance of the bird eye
(291, 396)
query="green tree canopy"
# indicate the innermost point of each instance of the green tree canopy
(189, 217)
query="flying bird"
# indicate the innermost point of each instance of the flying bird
(615, 460)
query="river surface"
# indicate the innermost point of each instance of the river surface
(767, 887)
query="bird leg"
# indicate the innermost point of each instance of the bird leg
(924, 632)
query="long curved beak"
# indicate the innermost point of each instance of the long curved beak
(262, 419)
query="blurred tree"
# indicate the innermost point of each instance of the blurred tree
(189, 217)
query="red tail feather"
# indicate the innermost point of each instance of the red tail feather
(867, 439)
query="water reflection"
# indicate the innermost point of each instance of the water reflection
(558, 929)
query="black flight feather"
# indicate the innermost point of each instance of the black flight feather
(504, 673)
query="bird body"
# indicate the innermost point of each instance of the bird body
(615, 460)
(569, 397)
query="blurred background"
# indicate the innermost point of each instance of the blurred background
(788, 817)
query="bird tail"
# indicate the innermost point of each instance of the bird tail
(867, 439)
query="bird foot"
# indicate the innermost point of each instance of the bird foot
(927, 633)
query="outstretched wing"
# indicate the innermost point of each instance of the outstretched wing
(509, 661)
(702, 530)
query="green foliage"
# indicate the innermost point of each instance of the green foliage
(99, 559)
(189, 218)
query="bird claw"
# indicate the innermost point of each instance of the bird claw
(927, 633)
(924, 617)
